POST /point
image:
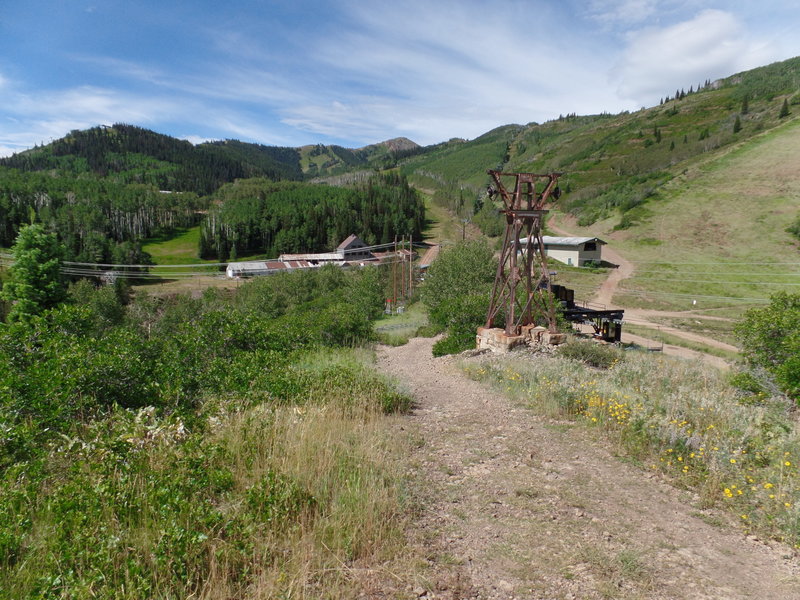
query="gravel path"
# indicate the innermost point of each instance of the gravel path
(515, 506)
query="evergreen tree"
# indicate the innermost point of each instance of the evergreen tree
(737, 125)
(745, 105)
(35, 282)
(784, 109)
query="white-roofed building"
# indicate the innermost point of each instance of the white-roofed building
(574, 251)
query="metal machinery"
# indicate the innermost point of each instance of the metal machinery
(607, 323)
(523, 268)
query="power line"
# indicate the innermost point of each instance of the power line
(716, 263)
(648, 293)
(719, 282)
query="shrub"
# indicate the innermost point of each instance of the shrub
(466, 268)
(461, 318)
(770, 338)
(591, 353)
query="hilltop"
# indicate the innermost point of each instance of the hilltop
(130, 154)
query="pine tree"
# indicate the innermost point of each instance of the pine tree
(35, 283)
(784, 109)
(745, 105)
(737, 125)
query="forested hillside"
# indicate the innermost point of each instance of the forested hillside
(97, 219)
(106, 189)
(259, 216)
(136, 155)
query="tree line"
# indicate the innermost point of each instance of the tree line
(97, 220)
(258, 216)
(136, 155)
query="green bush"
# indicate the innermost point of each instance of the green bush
(591, 353)
(125, 467)
(456, 292)
(770, 338)
(466, 268)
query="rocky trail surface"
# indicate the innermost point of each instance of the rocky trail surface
(517, 506)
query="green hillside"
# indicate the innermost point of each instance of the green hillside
(615, 163)
(719, 230)
(709, 175)
(323, 161)
(131, 154)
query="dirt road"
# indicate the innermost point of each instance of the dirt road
(605, 298)
(519, 507)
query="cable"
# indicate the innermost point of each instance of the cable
(648, 293)
(717, 263)
(719, 282)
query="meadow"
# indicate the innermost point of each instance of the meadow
(716, 234)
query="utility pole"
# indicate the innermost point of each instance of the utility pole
(394, 276)
(402, 268)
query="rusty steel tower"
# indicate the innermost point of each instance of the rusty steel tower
(522, 283)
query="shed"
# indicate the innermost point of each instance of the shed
(265, 267)
(575, 251)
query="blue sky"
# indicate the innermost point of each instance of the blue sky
(357, 72)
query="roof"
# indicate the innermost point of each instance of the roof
(317, 256)
(269, 266)
(569, 241)
(349, 241)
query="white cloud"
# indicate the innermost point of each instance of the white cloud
(45, 116)
(657, 61)
(431, 71)
(614, 12)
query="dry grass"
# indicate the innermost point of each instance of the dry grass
(679, 417)
(349, 471)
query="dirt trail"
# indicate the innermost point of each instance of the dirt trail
(519, 507)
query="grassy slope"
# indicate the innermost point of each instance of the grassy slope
(732, 208)
(726, 197)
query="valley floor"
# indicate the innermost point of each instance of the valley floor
(518, 506)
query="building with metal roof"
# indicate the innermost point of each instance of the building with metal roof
(575, 251)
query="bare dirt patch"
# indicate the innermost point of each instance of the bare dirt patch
(516, 506)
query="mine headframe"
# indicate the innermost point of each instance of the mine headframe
(522, 284)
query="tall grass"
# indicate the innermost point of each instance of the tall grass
(683, 418)
(296, 500)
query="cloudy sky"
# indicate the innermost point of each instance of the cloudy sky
(354, 72)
